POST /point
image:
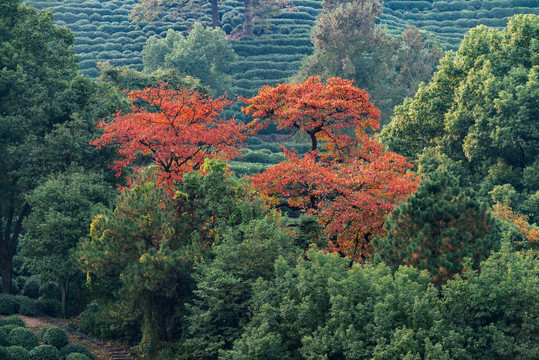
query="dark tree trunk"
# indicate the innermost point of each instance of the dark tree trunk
(248, 25)
(64, 287)
(7, 272)
(314, 141)
(8, 242)
(214, 13)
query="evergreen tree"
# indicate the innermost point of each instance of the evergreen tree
(436, 228)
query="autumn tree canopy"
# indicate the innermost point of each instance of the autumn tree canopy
(350, 183)
(177, 129)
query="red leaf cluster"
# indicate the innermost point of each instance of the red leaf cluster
(318, 109)
(353, 184)
(178, 129)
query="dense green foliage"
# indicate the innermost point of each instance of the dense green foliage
(204, 54)
(47, 115)
(348, 43)
(44, 352)
(74, 349)
(224, 286)
(18, 353)
(321, 308)
(478, 116)
(59, 207)
(170, 235)
(437, 227)
(53, 335)
(201, 267)
(23, 337)
(77, 356)
(12, 320)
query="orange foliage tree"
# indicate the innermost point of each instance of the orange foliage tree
(351, 184)
(530, 232)
(177, 128)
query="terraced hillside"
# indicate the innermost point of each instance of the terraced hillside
(451, 19)
(104, 33)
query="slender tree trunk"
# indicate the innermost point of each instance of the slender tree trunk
(314, 141)
(248, 25)
(7, 272)
(214, 13)
(8, 242)
(64, 287)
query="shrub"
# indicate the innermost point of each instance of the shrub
(75, 349)
(7, 328)
(18, 353)
(31, 287)
(32, 307)
(437, 227)
(7, 307)
(44, 352)
(50, 291)
(53, 335)
(4, 354)
(4, 339)
(77, 356)
(12, 320)
(23, 337)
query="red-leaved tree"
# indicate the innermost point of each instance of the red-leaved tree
(178, 129)
(351, 184)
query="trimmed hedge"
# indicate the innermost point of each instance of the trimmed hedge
(44, 352)
(77, 356)
(7, 307)
(33, 307)
(75, 348)
(4, 354)
(12, 320)
(53, 335)
(18, 353)
(31, 287)
(4, 338)
(23, 337)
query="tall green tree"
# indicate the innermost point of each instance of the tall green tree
(151, 241)
(36, 69)
(204, 54)
(437, 227)
(60, 218)
(225, 282)
(348, 43)
(47, 115)
(478, 115)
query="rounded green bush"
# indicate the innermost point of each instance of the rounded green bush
(18, 353)
(4, 354)
(7, 307)
(7, 328)
(77, 356)
(44, 352)
(31, 287)
(12, 320)
(4, 339)
(23, 337)
(53, 335)
(75, 348)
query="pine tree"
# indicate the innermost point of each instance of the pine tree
(436, 228)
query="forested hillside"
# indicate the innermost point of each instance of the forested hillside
(381, 202)
(104, 32)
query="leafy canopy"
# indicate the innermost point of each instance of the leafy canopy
(478, 116)
(352, 184)
(176, 129)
